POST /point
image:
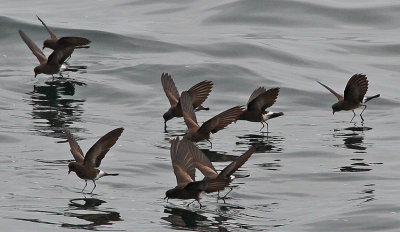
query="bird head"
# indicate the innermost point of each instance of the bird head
(71, 167)
(37, 71)
(167, 116)
(336, 107)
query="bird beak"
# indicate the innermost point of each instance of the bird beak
(35, 75)
(69, 171)
(43, 47)
(333, 112)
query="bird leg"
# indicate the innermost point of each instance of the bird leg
(190, 203)
(93, 187)
(365, 107)
(85, 186)
(69, 57)
(262, 122)
(210, 142)
(230, 190)
(199, 203)
(354, 114)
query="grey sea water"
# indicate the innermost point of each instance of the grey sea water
(315, 171)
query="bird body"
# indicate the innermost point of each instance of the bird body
(257, 104)
(354, 95)
(185, 157)
(66, 44)
(49, 65)
(198, 93)
(86, 167)
(198, 133)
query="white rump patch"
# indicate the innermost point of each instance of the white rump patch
(101, 174)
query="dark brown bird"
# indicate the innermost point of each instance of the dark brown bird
(198, 133)
(86, 166)
(217, 182)
(185, 158)
(67, 44)
(198, 93)
(49, 65)
(354, 95)
(258, 102)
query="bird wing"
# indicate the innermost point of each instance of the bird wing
(75, 149)
(356, 88)
(199, 92)
(170, 89)
(339, 97)
(201, 161)
(73, 41)
(263, 100)
(256, 93)
(182, 163)
(222, 120)
(187, 110)
(97, 152)
(52, 35)
(56, 57)
(35, 50)
(235, 165)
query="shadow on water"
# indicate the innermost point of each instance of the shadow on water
(353, 137)
(52, 107)
(87, 209)
(265, 141)
(81, 208)
(185, 219)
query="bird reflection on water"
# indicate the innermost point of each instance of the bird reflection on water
(53, 107)
(265, 142)
(87, 209)
(353, 139)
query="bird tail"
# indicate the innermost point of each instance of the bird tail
(270, 115)
(200, 107)
(235, 165)
(370, 98)
(111, 174)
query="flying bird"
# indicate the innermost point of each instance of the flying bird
(46, 65)
(198, 93)
(257, 104)
(67, 44)
(86, 167)
(354, 95)
(185, 157)
(198, 133)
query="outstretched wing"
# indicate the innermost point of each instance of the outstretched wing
(35, 50)
(263, 100)
(201, 161)
(73, 41)
(187, 110)
(182, 162)
(170, 89)
(235, 165)
(52, 35)
(356, 88)
(97, 152)
(339, 97)
(75, 149)
(222, 120)
(200, 92)
(256, 93)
